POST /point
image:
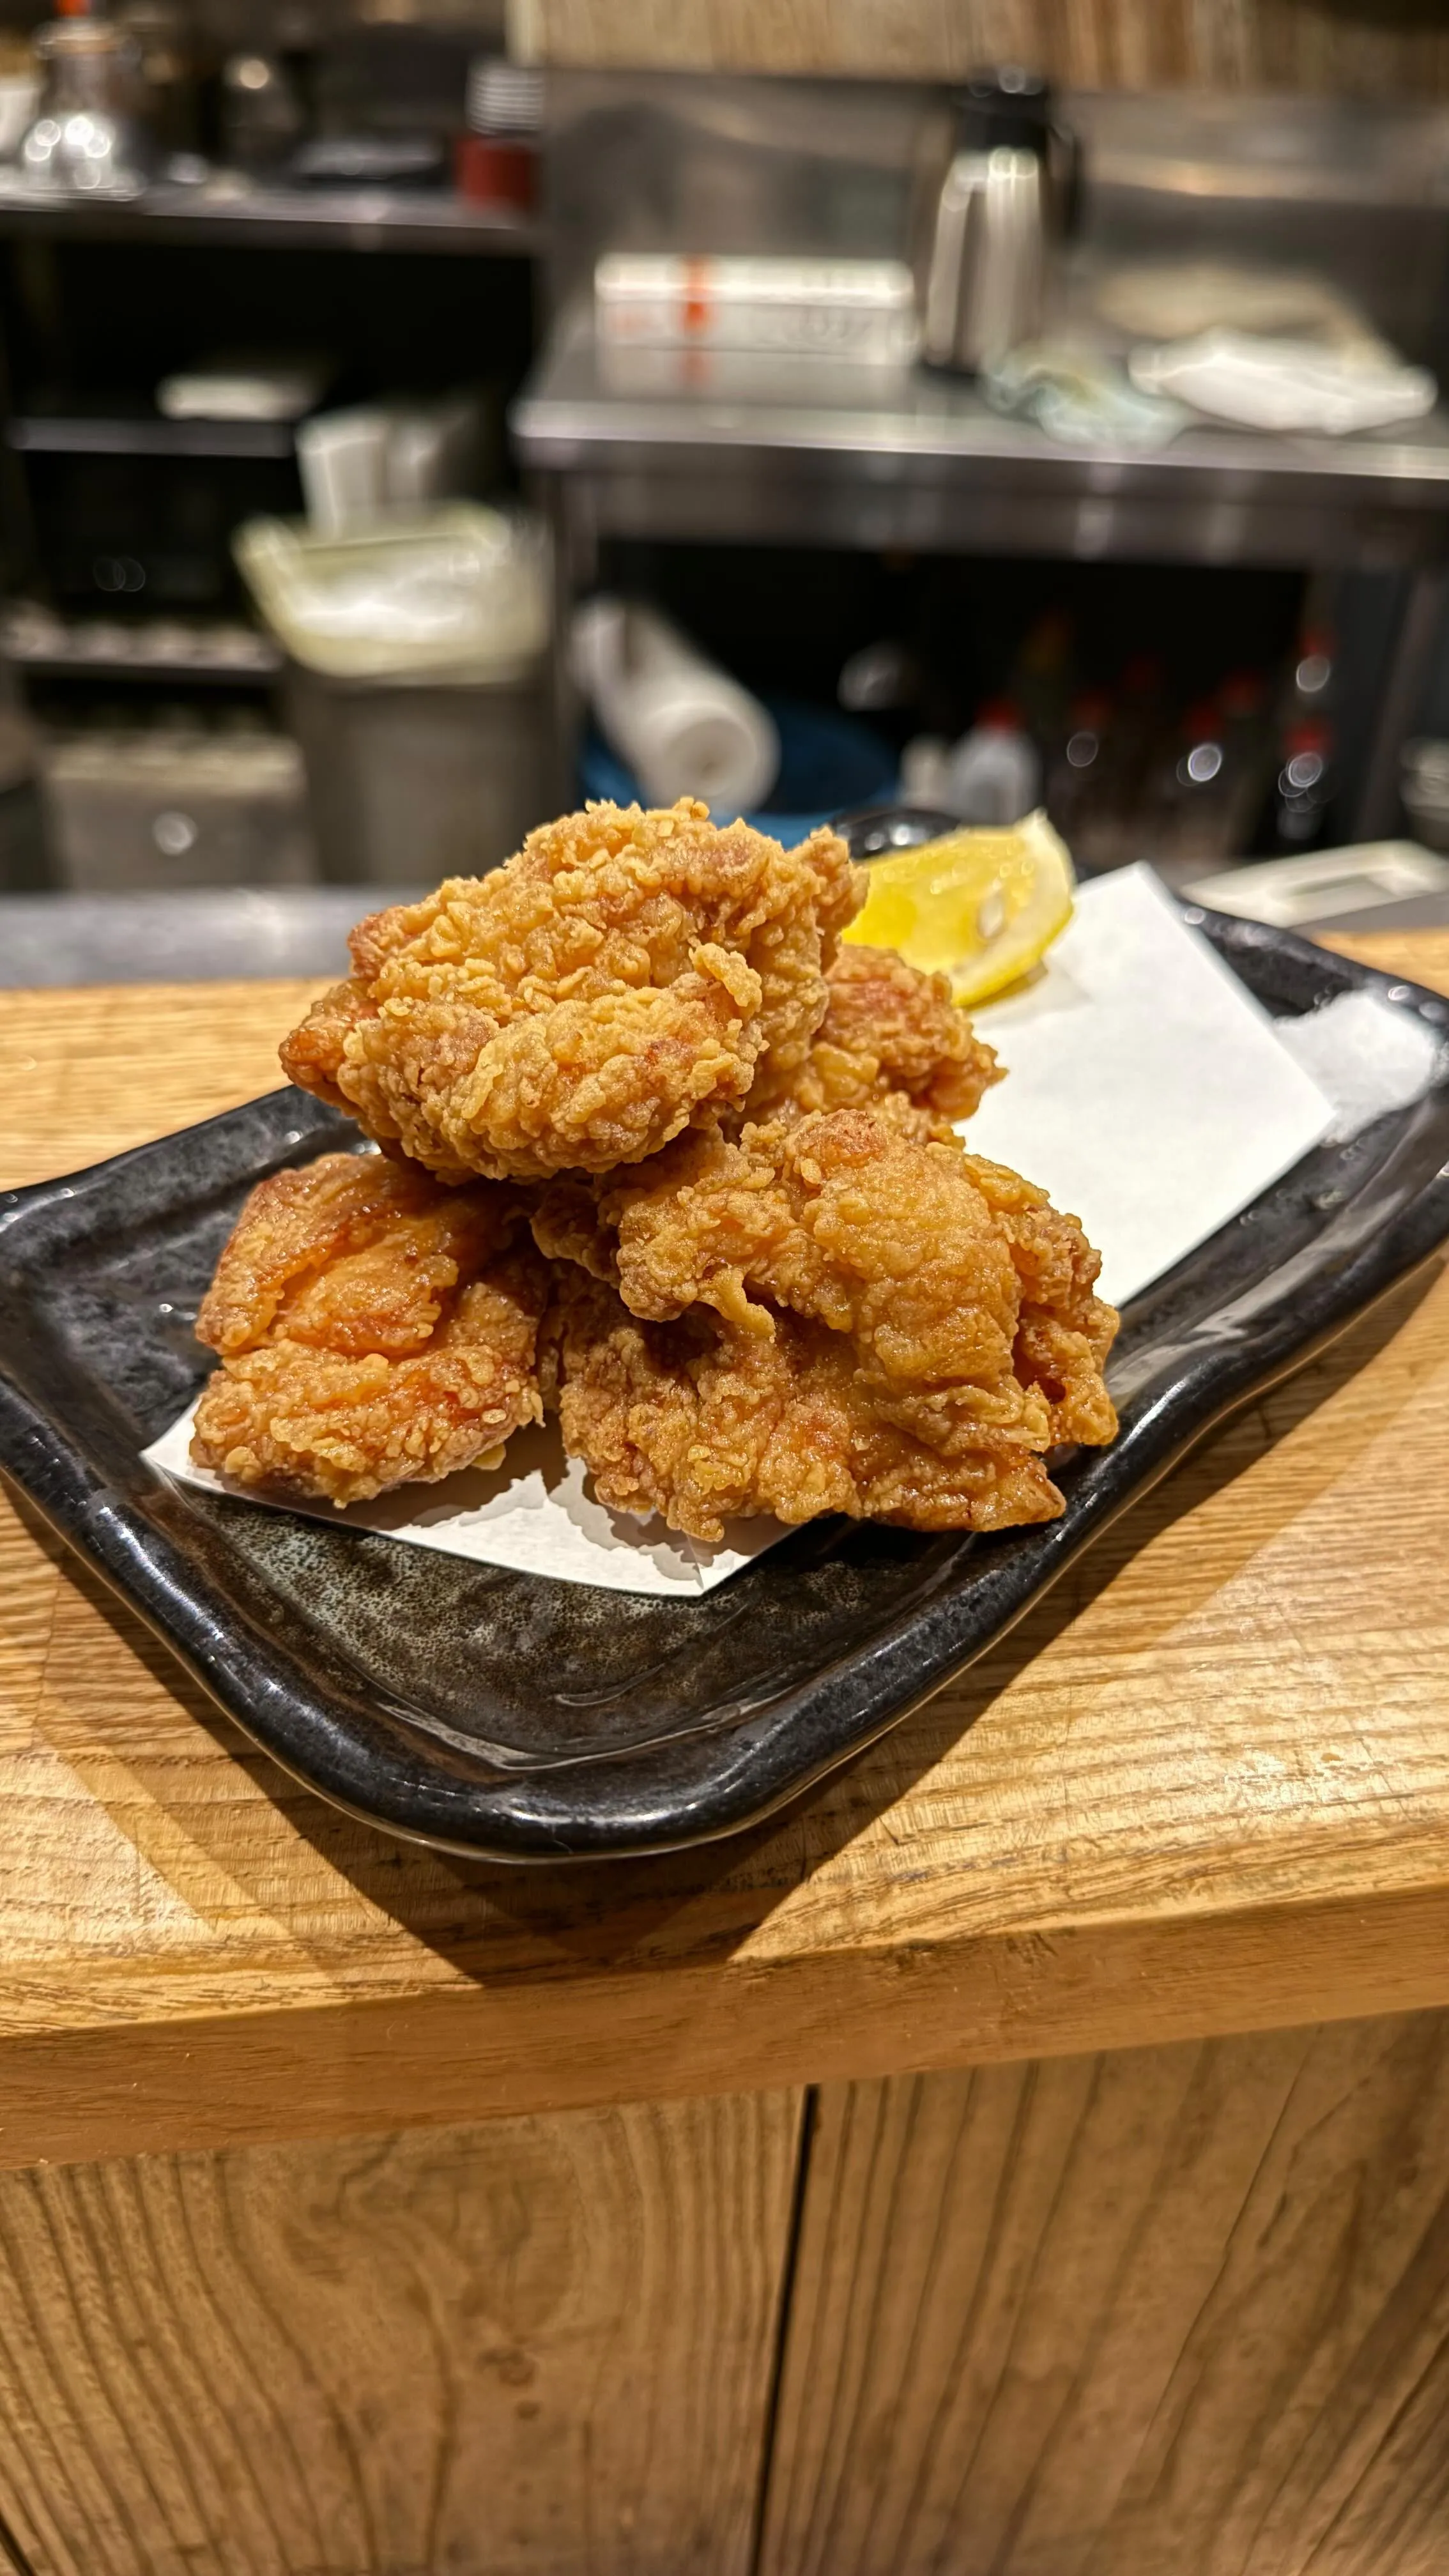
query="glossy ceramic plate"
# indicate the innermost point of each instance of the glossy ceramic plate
(505, 1715)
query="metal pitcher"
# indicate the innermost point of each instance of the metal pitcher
(1004, 196)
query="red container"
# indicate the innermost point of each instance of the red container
(494, 171)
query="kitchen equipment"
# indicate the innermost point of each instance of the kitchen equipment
(356, 465)
(342, 459)
(841, 308)
(1374, 885)
(371, 161)
(160, 33)
(1005, 193)
(88, 137)
(496, 161)
(149, 534)
(1424, 786)
(261, 112)
(170, 808)
(243, 388)
(410, 782)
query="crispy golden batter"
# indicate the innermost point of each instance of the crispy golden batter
(567, 1225)
(892, 1041)
(828, 1316)
(374, 1328)
(1064, 1330)
(891, 1038)
(702, 1424)
(626, 975)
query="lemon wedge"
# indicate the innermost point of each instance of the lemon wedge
(980, 906)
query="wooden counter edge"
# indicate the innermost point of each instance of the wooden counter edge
(535, 2047)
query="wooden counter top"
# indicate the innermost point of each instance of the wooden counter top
(1204, 1787)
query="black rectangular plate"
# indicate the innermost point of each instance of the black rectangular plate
(513, 1717)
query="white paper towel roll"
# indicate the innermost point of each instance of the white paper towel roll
(681, 724)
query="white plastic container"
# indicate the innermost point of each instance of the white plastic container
(359, 465)
(993, 775)
(460, 592)
(857, 308)
(342, 458)
(682, 725)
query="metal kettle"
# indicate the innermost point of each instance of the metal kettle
(1005, 194)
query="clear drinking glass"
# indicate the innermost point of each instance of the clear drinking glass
(87, 137)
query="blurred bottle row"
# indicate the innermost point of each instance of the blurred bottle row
(1125, 767)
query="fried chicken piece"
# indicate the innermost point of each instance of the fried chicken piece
(567, 1225)
(703, 1423)
(626, 975)
(892, 1039)
(1064, 1331)
(374, 1329)
(903, 1331)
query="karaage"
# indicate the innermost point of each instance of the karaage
(626, 975)
(892, 1039)
(374, 1329)
(827, 1316)
(764, 1275)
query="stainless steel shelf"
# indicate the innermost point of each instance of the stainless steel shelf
(77, 435)
(813, 450)
(230, 210)
(90, 649)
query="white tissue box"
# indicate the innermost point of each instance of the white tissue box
(857, 308)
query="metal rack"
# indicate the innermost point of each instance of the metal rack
(689, 446)
(229, 209)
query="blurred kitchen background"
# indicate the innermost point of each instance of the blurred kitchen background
(412, 419)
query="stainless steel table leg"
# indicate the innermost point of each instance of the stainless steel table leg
(1379, 815)
(565, 501)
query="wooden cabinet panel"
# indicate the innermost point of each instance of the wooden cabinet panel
(541, 2345)
(1355, 47)
(1178, 2308)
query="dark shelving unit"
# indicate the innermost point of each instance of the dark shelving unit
(83, 435)
(270, 217)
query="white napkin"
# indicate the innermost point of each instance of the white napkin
(1285, 384)
(1147, 1091)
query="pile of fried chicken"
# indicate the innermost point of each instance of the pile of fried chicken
(660, 1156)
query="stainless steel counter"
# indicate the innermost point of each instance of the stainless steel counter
(800, 450)
(246, 932)
(654, 443)
(185, 937)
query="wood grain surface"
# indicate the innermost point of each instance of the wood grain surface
(1179, 2308)
(1204, 1787)
(1356, 48)
(541, 2348)
(85, 1074)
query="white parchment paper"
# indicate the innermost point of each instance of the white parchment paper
(1146, 1090)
